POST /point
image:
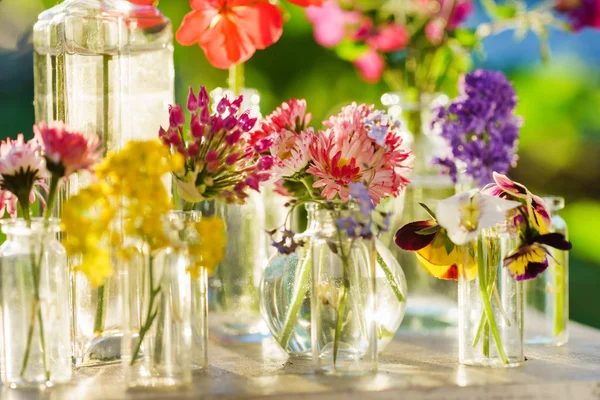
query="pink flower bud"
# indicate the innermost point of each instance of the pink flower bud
(265, 163)
(234, 137)
(252, 182)
(230, 122)
(174, 138)
(212, 166)
(263, 145)
(248, 124)
(389, 37)
(192, 103)
(194, 150)
(162, 134)
(204, 115)
(176, 117)
(222, 106)
(232, 159)
(434, 30)
(203, 97)
(197, 128)
(239, 187)
(211, 156)
(237, 103)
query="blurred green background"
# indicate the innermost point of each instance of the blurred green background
(560, 102)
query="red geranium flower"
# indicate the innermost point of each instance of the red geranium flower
(230, 31)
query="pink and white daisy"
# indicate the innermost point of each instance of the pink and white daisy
(66, 150)
(290, 152)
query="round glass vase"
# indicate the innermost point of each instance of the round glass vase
(490, 302)
(343, 298)
(157, 342)
(432, 301)
(35, 305)
(285, 294)
(547, 296)
(183, 223)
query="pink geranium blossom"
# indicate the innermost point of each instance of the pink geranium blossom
(331, 23)
(67, 151)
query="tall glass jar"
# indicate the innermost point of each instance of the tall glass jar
(35, 305)
(103, 67)
(184, 225)
(157, 343)
(343, 300)
(547, 296)
(490, 302)
(432, 301)
(285, 294)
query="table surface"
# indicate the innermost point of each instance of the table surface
(413, 366)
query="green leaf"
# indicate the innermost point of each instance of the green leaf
(507, 10)
(429, 231)
(428, 211)
(49, 3)
(448, 245)
(466, 38)
(350, 51)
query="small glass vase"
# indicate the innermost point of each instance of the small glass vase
(285, 294)
(490, 302)
(547, 296)
(183, 222)
(157, 343)
(234, 294)
(35, 305)
(343, 299)
(432, 301)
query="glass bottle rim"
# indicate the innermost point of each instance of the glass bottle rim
(184, 216)
(554, 203)
(38, 226)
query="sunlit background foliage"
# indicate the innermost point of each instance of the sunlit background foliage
(560, 102)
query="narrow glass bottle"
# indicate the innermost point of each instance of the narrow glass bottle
(547, 296)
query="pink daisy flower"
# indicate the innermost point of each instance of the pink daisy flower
(290, 152)
(67, 151)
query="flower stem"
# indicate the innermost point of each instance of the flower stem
(391, 278)
(559, 297)
(299, 295)
(491, 321)
(100, 310)
(187, 206)
(343, 298)
(150, 316)
(51, 196)
(236, 78)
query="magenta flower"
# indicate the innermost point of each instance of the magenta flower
(388, 37)
(22, 168)
(370, 65)
(331, 23)
(67, 151)
(580, 13)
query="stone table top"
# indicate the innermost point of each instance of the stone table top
(413, 366)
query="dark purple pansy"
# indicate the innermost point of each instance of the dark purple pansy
(408, 239)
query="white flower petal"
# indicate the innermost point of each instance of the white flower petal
(493, 209)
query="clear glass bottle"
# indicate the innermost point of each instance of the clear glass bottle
(233, 290)
(35, 305)
(490, 302)
(432, 301)
(547, 296)
(104, 67)
(157, 344)
(285, 294)
(343, 299)
(183, 224)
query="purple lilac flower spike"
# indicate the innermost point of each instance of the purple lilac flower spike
(480, 127)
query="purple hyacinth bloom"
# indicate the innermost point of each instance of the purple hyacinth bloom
(480, 127)
(360, 194)
(348, 225)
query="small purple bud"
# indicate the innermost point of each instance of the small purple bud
(249, 124)
(197, 127)
(222, 106)
(162, 134)
(253, 182)
(237, 103)
(265, 163)
(216, 123)
(192, 103)
(204, 115)
(176, 117)
(211, 156)
(203, 97)
(234, 137)
(230, 122)
(194, 150)
(175, 139)
(232, 159)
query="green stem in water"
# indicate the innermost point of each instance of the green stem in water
(187, 206)
(487, 305)
(343, 298)
(100, 310)
(51, 196)
(299, 295)
(559, 293)
(150, 316)
(236, 78)
(391, 278)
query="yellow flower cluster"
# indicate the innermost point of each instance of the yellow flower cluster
(130, 187)
(210, 249)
